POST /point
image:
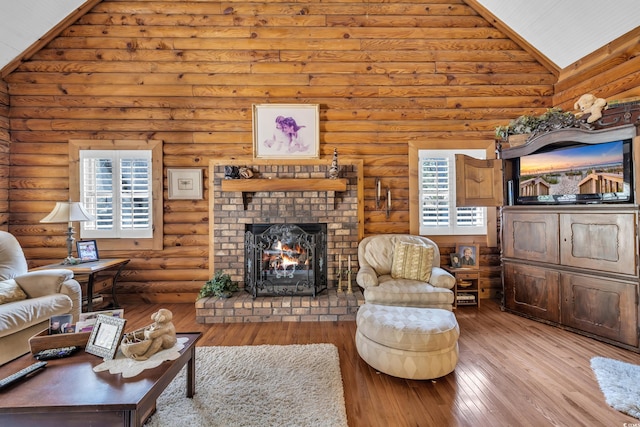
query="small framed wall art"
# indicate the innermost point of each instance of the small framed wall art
(185, 183)
(286, 131)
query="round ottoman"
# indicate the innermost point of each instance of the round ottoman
(408, 342)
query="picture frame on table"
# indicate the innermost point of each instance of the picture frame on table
(455, 260)
(468, 255)
(286, 131)
(87, 250)
(184, 183)
(105, 336)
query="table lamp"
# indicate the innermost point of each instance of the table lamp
(68, 212)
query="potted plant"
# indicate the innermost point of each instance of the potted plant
(220, 285)
(523, 125)
(527, 125)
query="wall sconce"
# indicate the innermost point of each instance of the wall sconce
(388, 202)
(68, 212)
(378, 189)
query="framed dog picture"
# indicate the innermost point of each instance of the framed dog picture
(286, 131)
(87, 250)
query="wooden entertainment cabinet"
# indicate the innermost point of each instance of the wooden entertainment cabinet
(574, 266)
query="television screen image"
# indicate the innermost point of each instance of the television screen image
(579, 174)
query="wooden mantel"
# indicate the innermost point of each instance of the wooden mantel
(284, 184)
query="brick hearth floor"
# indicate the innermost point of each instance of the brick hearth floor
(327, 306)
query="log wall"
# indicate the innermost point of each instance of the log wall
(384, 74)
(5, 143)
(612, 72)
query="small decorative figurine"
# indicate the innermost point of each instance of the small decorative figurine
(231, 172)
(245, 173)
(144, 343)
(590, 104)
(333, 171)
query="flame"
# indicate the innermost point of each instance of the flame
(283, 259)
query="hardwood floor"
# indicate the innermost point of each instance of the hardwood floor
(512, 371)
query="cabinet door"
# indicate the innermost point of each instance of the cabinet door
(599, 241)
(531, 236)
(532, 290)
(478, 182)
(599, 306)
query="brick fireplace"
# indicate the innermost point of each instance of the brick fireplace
(283, 194)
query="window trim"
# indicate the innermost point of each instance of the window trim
(453, 229)
(155, 146)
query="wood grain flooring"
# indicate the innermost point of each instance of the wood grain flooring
(512, 371)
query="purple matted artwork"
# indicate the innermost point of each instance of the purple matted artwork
(286, 131)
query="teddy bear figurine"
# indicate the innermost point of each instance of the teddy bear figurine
(144, 343)
(588, 103)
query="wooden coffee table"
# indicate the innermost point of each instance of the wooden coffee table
(69, 393)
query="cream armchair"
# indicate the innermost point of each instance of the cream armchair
(401, 270)
(29, 299)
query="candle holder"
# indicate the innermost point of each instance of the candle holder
(349, 289)
(339, 290)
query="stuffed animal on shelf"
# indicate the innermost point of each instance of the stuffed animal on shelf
(588, 103)
(145, 342)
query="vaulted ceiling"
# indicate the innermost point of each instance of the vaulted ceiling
(563, 31)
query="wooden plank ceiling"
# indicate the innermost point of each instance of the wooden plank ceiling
(563, 32)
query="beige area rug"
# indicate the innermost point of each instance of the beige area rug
(620, 384)
(258, 386)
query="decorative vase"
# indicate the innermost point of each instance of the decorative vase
(333, 171)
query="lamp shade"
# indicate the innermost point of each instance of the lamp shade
(68, 212)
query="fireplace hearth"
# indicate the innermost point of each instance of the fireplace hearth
(285, 259)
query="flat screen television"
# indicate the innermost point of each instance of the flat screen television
(575, 174)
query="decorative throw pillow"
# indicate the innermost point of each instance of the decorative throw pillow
(10, 291)
(411, 261)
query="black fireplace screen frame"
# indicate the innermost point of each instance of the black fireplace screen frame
(262, 279)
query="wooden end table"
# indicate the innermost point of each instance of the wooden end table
(69, 393)
(470, 276)
(91, 270)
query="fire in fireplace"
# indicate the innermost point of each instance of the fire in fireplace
(285, 259)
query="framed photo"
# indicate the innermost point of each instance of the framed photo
(105, 336)
(87, 250)
(185, 183)
(468, 255)
(61, 324)
(455, 260)
(286, 131)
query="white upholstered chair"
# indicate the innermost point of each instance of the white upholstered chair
(29, 299)
(403, 285)
(406, 328)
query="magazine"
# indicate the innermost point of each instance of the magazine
(87, 320)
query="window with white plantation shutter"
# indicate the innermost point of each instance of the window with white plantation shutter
(439, 214)
(116, 188)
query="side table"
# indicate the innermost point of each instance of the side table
(91, 270)
(467, 285)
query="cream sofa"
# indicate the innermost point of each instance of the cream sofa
(48, 293)
(375, 258)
